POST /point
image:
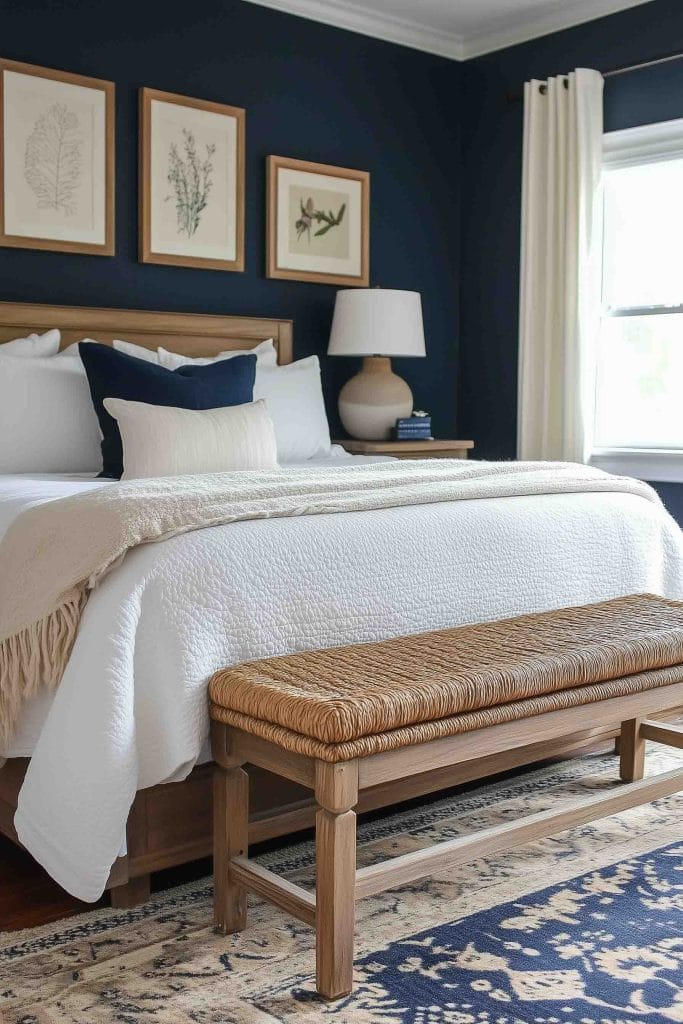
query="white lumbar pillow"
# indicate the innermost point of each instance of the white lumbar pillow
(47, 420)
(161, 440)
(294, 396)
(34, 346)
(265, 352)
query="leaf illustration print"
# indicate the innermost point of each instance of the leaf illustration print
(53, 161)
(309, 215)
(190, 178)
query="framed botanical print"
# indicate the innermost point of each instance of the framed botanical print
(318, 223)
(56, 160)
(191, 182)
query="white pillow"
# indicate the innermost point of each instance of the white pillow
(265, 352)
(161, 440)
(138, 351)
(71, 351)
(294, 396)
(47, 420)
(35, 346)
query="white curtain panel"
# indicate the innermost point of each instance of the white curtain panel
(559, 286)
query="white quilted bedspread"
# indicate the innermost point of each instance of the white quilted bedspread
(131, 710)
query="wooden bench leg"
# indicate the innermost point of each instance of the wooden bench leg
(335, 837)
(230, 839)
(631, 751)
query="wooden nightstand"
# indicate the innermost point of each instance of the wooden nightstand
(410, 449)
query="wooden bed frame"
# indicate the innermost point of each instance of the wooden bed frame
(191, 334)
(172, 824)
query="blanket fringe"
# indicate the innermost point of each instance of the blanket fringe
(37, 657)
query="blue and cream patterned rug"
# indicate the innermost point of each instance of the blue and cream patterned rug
(585, 928)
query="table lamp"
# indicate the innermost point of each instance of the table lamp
(376, 323)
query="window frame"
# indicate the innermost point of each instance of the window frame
(630, 147)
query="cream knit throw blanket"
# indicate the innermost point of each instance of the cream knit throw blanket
(54, 553)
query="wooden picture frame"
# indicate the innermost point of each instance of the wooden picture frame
(71, 210)
(168, 232)
(297, 223)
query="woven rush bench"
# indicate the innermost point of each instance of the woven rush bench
(347, 718)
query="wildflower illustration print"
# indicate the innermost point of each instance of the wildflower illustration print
(310, 216)
(53, 160)
(190, 178)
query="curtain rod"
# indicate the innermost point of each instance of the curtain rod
(623, 70)
(643, 64)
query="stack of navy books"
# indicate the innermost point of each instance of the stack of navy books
(417, 427)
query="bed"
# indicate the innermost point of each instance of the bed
(257, 588)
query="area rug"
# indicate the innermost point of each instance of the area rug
(584, 928)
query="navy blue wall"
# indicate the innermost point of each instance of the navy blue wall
(311, 92)
(430, 131)
(492, 148)
(672, 496)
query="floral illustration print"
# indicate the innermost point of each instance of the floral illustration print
(190, 178)
(310, 216)
(53, 160)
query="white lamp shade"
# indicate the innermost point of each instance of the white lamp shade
(377, 322)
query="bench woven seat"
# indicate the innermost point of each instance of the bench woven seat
(347, 721)
(355, 701)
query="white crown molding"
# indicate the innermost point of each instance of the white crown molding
(356, 18)
(573, 12)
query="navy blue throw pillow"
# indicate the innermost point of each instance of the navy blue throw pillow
(113, 374)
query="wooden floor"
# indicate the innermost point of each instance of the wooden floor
(29, 897)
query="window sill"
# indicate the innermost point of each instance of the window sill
(657, 464)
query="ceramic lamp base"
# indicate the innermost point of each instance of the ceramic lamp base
(372, 401)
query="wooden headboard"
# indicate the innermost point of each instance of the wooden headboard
(190, 334)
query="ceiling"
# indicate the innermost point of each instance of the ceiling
(458, 29)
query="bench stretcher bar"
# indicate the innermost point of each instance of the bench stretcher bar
(286, 895)
(300, 903)
(421, 863)
(668, 733)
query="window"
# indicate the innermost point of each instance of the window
(639, 379)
